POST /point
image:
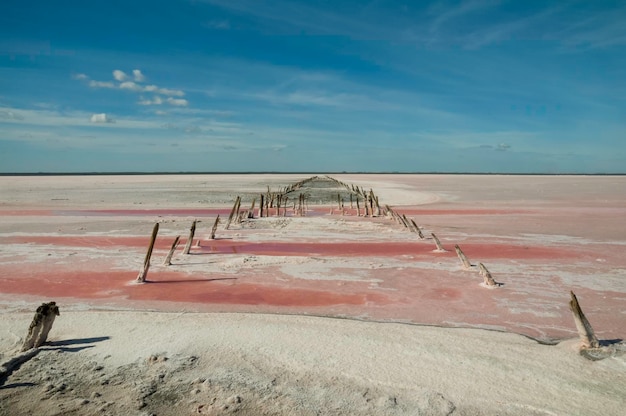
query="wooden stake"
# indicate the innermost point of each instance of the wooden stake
(487, 279)
(251, 212)
(585, 331)
(463, 257)
(261, 206)
(417, 229)
(232, 212)
(168, 258)
(437, 242)
(141, 277)
(192, 231)
(40, 325)
(48, 320)
(214, 229)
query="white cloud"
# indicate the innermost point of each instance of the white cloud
(10, 115)
(502, 147)
(155, 101)
(119, 75)
(80, 76)
(138, 76)
(167, 91)
(101, 118)
(130, 85)
(101, 84)
(179, 102)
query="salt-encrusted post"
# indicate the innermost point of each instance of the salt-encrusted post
(417, 229)
(437, 242)
(214, 229)
(40, 326)
(251, 212)
(192, 231)
(463, 257)
(585, 331)
(261, 206)
(487, 279)
(168, 259)
(48, 320)
(232, 211)
(141, 277)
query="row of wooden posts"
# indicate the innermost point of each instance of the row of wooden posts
(372, 208)
(586, 334)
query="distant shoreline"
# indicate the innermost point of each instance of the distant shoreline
(299, 173)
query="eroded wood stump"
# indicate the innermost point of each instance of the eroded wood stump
(487, 278)
(192, 232)
(168, 259)
(41, 325)
(141, 277)
(585, 331)
(463, 257)
(437, 242)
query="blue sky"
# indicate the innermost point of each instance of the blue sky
(315, 86)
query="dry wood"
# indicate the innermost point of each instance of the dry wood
(437, 242)
(487, 279)
(40, 326)
(261, 206)
(168, 258)
(463, 257)
(585, 331)
(417, 229)
(141, 277)
(232, 212)
(192, 231)
(214, 229)
(48, 320)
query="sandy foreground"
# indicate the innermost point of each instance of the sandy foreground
(331, 313)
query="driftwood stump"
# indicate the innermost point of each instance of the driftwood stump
(437, 242)
(168, 259)
(463, 257)
(192, 232)
(40, 326)
(141, 277)
(214, 229)
(417, 229)
(585, 331)
(487, 279)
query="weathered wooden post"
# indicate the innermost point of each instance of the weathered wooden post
(251, 212)
(417, 229)
(463, 257)
(585, 331)
(232, 212)
(358, 208)
(261, 206)
(168, 259)
(141, 277)
(40, 326)
(437, 242)
(214, 229)
(487, 279)
(192, 231)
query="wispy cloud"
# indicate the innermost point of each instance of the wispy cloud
(119, 75)
(123, 82)
(101, 118)
(138, 76)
